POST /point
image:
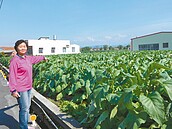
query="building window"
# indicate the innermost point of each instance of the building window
(30, 50)
(149, 47)
(67, 46)
(165, 45)
(53, 50)
(73, 49)
(64, 49)
(40, 50)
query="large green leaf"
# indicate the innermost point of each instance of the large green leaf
(114, 112)
(133, 87)
(52, 84)
(133, 121)
(64, 78)
(168, 86)
(59, 96)
(112, 98)
(58, 88)
(153, 105)
(116, 73)
(133, 79)
(98, 95)
(88, 90)
(128, 101)
(91, 108)
(169, 116)
(159, 66)
(77, 85)
(102, 117)
(154, 66)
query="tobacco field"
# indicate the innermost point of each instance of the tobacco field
(110, 90)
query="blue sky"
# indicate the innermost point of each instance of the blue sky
(84, 22)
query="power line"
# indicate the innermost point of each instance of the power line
(1, 4)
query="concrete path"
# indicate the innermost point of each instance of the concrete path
(8, 108)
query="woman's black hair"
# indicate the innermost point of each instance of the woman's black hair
(19, 42)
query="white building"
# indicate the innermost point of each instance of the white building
(155, 41)
(45, 46)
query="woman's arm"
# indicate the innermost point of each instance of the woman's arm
(37, 59)
(12, 76)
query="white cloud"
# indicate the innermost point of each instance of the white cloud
(90, 39)
(151, 28)
(113, 39)
(108, 37)
(124, 36)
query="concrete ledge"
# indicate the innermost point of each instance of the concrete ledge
(4, 68)
(59, 118)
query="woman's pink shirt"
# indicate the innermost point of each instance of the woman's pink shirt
(20, 77)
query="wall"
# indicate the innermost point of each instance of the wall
(159, 38)
(47, 44)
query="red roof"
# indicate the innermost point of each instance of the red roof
(7, 48)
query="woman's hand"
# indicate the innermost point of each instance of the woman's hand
(15, 94)
(46, 59)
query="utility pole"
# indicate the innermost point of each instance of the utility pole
(1, 4)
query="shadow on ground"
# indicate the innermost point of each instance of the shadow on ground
(8, 120)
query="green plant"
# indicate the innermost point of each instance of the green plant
(118, 89)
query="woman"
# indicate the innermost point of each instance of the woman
(20, 79)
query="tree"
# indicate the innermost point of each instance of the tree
(85, 49)
(128, 46)
(111, 48)
(120, 47)
(105, 47)
(2, 54)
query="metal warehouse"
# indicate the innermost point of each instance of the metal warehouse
(154, 41)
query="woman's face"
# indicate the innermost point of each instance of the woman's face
(22, 49)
